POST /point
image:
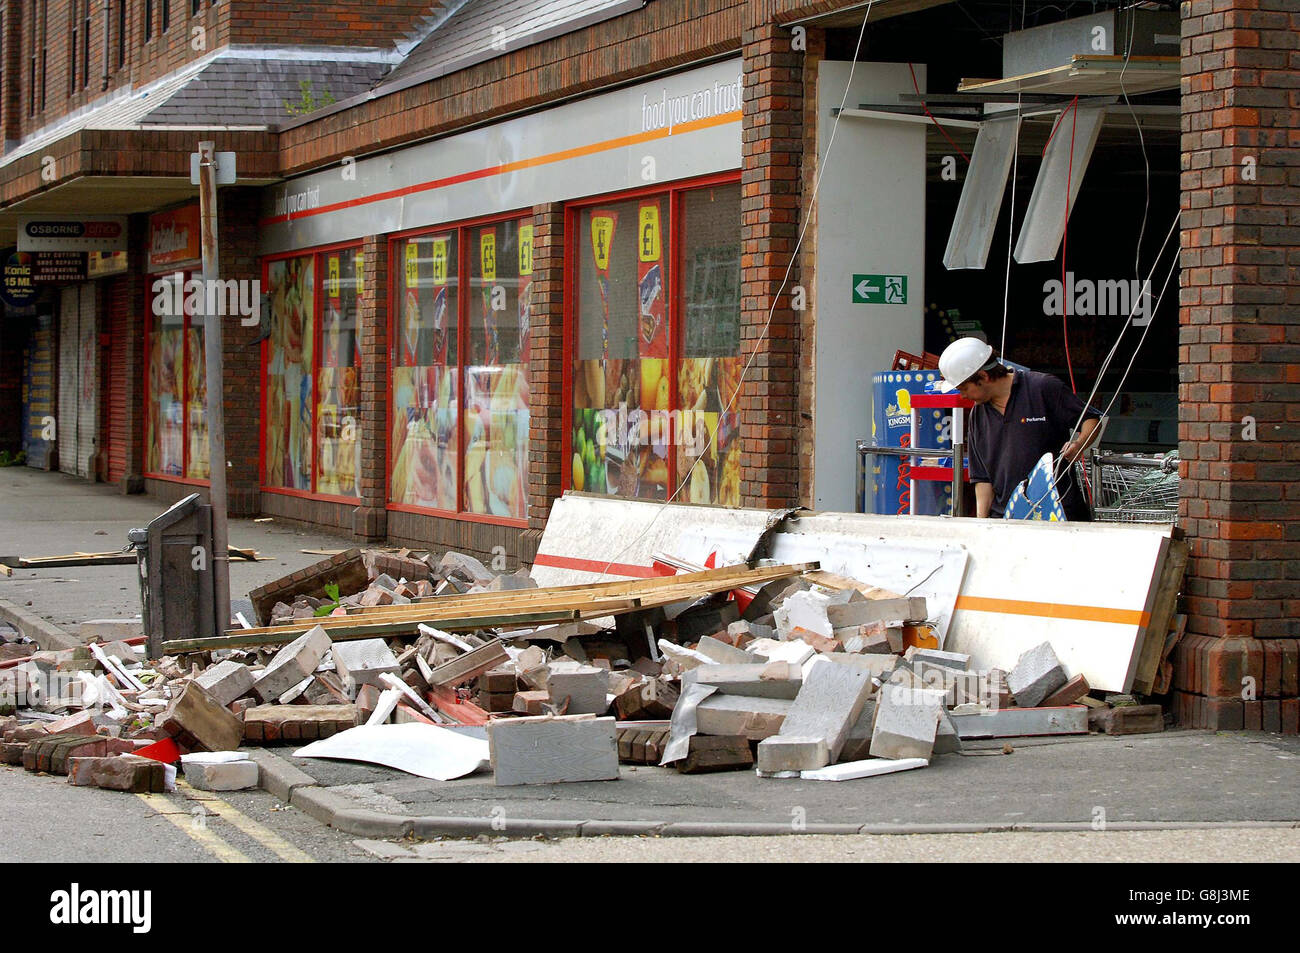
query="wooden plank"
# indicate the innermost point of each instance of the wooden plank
(470, 665)
(1162, 613)
(281, 635)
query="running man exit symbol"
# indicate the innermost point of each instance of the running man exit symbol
(880, 289)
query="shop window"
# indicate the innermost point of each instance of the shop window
(456, 351)
(291, 284)
(177, 439)
(338, 415)
(655, 367)
(312, 373)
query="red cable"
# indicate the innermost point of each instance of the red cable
(937, 125)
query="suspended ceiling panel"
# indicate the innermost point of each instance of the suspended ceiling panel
(1067, 156)
(981, 195)
(1089, 76)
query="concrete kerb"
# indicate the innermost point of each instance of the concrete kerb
(45, 634)
(293, 786)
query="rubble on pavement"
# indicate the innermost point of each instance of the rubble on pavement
(786, 671)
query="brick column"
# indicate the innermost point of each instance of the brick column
(370, 521)
(772, 142)
(132, 290)
(806, 269)
(238, 210)
(545, 373)
(1239, 355)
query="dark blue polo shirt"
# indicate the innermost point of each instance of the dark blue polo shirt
(1039, 418)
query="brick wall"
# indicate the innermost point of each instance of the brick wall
(340, 23)
(11, 67)
(546, 368)
(771, 143)
(661, 35)
(1239, 356)
(814, 53)
(237, 238)
(186, 39)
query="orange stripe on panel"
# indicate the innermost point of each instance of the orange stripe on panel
(561, 156)
(1053, 610)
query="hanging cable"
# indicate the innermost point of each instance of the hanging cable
(794, 256)
(936, 122)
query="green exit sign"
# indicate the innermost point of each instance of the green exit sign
(880, 289)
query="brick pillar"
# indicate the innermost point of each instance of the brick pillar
(545, 373)
(238, 210)
(814, 52)
(11, 72)
(1239, 355)
(370, 521)
(132, 291)
(772, 143)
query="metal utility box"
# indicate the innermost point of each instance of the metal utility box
(174, 553)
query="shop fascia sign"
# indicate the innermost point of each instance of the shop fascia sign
(84, 233)
(174, 237)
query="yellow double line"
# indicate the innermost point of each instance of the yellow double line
(202, 834)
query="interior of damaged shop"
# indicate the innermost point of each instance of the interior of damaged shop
(983, 170)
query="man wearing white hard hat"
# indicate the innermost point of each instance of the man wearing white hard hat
(1019, 415)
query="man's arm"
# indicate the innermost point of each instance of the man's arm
(1074, 448)
(983, 499)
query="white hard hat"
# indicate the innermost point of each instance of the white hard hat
(962, 359)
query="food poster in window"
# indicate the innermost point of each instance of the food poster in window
(289, 374)
(652, 326)
(196, 430)
(337, 416)
(167, 373)
(615, 447)
(710, 370)
(525, 305)
(424, 439)
(496, 383)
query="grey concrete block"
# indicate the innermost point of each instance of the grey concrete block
(292, 664)
(770, 680)
(954, 660)
(723, 653)
(547, 750)
(877, 610)
(754, 718)
(227, 681)
(1036, 675)
(362, 662)
(792, 753)
(221, 775)
(584, 686)
(907, 720)
(828, 704)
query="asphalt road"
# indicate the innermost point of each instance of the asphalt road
(47, 820)
(50, 514)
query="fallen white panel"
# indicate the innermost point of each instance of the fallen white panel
(851, 770)
(426, 751)
(981, 194)
(385, 707)
(1022, 722)
(1088, 589)
(1044, 223)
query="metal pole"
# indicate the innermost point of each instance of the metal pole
(216, 411)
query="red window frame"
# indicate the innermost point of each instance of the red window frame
(462, 229)
(673, 191)
(149, 317)
(317, 255)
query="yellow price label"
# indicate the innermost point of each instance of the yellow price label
(525, 250)
(440, 261)
(360, 266)
(488, 255)
(648, 247)
(332, 276)
(602, 236)
(412, 256)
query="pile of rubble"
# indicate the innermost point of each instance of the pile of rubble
(786, 670)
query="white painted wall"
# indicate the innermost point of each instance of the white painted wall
(870, 220)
